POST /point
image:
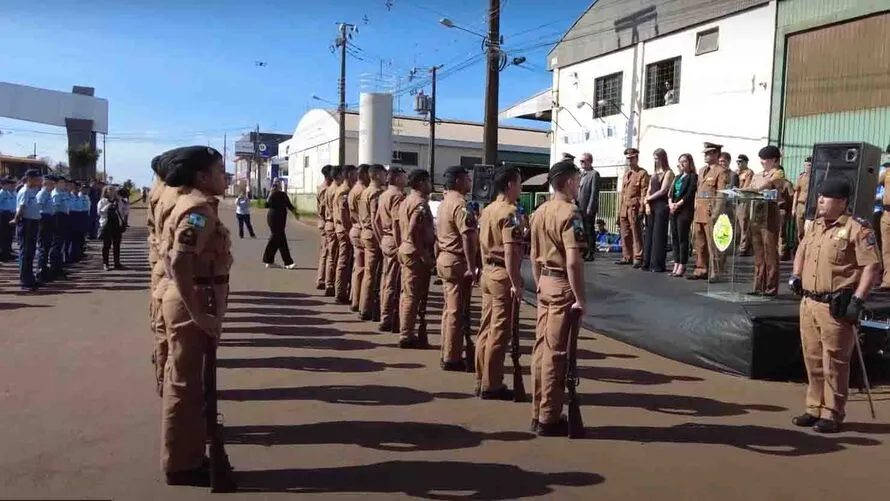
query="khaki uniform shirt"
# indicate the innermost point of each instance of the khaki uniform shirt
(767, 212)
(636, 183)
(556, 226)
(367, 209)
(154, 194)
(416, 225)
(835, 253)
(498, 226)
(884, 181)
(340, 206)
(711, 179)
(163, 208)
(352, 200)
(802, 189)
(329, 196)
(388, 215)
(745, 177)
(455, 219)
(320, 207)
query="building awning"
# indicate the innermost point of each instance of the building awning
(538, 107)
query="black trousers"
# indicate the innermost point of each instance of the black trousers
(244, 219)
(590, 231)
(681, 224)
(655, 239)
(277, 243)
(111, 240)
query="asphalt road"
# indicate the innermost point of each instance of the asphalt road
(318, 403)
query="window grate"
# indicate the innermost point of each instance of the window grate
(663, 83)
(607, 90)
(707, 41)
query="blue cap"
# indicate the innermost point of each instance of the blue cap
(31, 173)
(51, 177)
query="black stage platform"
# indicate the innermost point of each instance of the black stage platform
(670, 317)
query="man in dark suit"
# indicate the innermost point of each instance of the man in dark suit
(588, 201)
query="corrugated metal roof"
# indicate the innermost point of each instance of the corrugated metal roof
(595, 33)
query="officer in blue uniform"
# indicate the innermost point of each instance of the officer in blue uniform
(47, 228)
(27, 221)
(84, 203)
(71, 251)
(7, 212)
(60, 236)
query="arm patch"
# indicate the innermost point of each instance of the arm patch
(197, 220)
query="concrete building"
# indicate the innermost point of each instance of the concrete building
(831, 79)
(316, 138)
(256, 162)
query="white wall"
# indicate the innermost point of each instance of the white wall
(724, 96)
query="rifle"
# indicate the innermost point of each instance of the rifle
(576, 424)
(220, 469)
(469, 347)
(519, 394)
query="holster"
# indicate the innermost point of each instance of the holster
(839, 303)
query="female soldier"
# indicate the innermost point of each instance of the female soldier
(194, 303)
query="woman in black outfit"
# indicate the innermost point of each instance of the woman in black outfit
(111, 227)
(682, 206)
(655, 242)
(279, 205)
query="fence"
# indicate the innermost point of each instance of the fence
(607, 210)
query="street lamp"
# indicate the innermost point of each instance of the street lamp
(324, 100)
(448, 23)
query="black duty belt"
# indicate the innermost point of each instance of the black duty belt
(217, 280)
(553, 272)
(824, 297)
(496, 262)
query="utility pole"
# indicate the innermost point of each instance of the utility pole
(104, 156)
(256, 157)
(433, 125)
(341, 43)
(492, 82)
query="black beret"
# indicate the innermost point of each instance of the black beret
(336, 170)
(631, 152)
(768, 152)
(395, 169)
(560, 168)
(348, 168)
(454, 172)
(181, 164)
(809, 160)
(742, 158)
(417, 175)
(834, 188)
(326, 170)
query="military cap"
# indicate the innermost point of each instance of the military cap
(31, 173)
(181, 163)
(326, 170)
(769, 152)
(712, 147)
(742, 158)
(886, 164)
(48, 177)
(395, 169)
(417, 175)
(835, 188)
(560, 168)
(7, 180)
(568, 156)
(454, 172)
(631, 152)
(809, 160)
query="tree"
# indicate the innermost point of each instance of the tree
(82, 159)
(128, 184)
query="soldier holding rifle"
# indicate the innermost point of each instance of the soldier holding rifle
(321, 210)
(836, 264)
(197, 264)
(558, 244)
(458, 238)
(500, 237)
(416, 257)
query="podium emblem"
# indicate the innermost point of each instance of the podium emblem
(722, 233)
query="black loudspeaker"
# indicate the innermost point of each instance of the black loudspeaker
(857, 163)
(483, 183)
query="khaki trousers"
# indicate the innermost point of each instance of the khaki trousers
(495, 328)
(827, 347)
(159, 327)
(743, 224)
(799, 221)
(322, 257)
(330, 265)
(451, 269)
(552, 332)
(766, 258)
(373, 260)
(415, 285)
(343, 270)
(631, 229)
(358, 270)
(391, 284)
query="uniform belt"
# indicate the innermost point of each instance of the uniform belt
(818, 297)
(217, 280)
(553, 272)
(887, 207)
(496, 262)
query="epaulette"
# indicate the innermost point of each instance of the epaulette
(865, 223)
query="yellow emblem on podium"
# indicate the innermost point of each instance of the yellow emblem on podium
(722, 233)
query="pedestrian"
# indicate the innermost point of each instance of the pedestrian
(62, 230)
(342, 227)
(27, 222)
(123, 197)
(387, 230)
(765, 225)
(330, 229)
(199, 260)
(657, 214)
(242, 214)
(883, 203)
(111, 225)
(47, 228)
(681, 206)
(278, 206)
(631, 210)
(321, 211)
(500, 238)
(742, 215)
(835, 266)
(588, 202)
(415, 256)
(457, 232)
(558, 246)
(355, 235)
(368, 205)
(95, 196)
(712, 178)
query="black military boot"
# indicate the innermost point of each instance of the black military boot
(196, 477)
(805, 420)
(558, 429)
(453, 366)
(502, 393)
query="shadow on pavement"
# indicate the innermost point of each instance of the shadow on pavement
(759, 439)
(584, 354)
(675, 404)
(255, 310)
(337, 344)
(17, 306)
(422, 479)
(342, 394)
(380, 435)
(286, 319)
(281, 330)
(622, 375)
(314, 364)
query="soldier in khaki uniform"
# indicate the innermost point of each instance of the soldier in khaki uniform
(500, 237)
(367, 213)
(194, 305)
(321, 210)
(458, 238)
(836, 264)
(355, 235)
(156, 320)
(742, 216)
(711, 179)
(786, 201)
(418, 236)
(330, 229)
(801, 192)
(765, 225)
(386, 228)
(342, 227)
(630, 209)
(558, 244)
(884, 180)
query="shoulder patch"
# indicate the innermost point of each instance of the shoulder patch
(188, 237)
(578, 228)
(197, 220)
(470, 217)
(862, 221)
(512, 221)
(870, 238)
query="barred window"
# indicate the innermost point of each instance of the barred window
(663, 83)
(404, 158)
(607, 95)
(305, 162)
(707, 41)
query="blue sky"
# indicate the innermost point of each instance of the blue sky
(185, 72)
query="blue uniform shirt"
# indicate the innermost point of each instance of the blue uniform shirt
(7, 201)
(45, 201)
(879, 196)
(26, 198)
(81, 203)
(60, 200)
